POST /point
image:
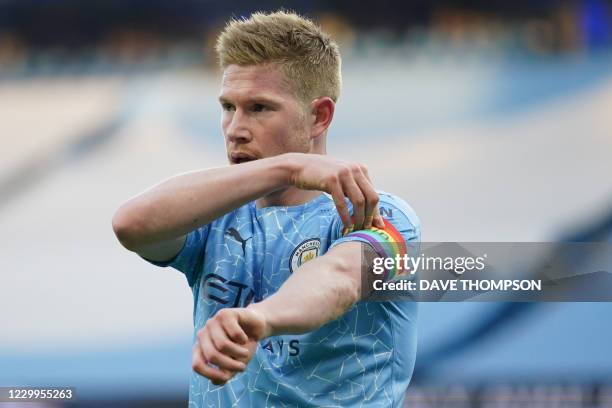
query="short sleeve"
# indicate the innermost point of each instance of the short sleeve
(402, 230)
(190, 258)
(396, 212)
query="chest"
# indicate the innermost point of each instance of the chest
(248, 258)
(282, 244)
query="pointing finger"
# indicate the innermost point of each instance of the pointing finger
(356, 196)
(338, 197)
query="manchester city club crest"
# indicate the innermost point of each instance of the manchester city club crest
(304, 252)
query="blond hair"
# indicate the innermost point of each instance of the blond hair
(308, 57)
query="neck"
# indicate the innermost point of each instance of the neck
(287, 197)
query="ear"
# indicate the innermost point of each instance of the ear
(321, 113)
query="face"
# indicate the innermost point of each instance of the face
(261, 116)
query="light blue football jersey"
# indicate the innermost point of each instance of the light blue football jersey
(365, 358)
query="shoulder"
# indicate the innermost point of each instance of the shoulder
(239, 219)
(394, 208)
(400, 216)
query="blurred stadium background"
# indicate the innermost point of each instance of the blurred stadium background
(492, 118)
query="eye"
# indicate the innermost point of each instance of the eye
(258, 107)
(227, 106)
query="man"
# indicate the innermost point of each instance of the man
(269, 245)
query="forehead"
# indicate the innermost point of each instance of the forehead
(254, 81)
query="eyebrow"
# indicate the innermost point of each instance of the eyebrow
(255, 99)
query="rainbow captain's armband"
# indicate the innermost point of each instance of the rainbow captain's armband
(387, 242)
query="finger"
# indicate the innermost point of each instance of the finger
(379, 221)
(200, 366)
(371, 198)
(354, 194)
(235, 332)
(338, 196)
(224, 344)
(213, 355)
(366, 173)
(377, 218)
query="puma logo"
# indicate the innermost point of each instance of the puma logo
(236, 235)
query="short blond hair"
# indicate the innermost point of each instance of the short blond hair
(307, 56)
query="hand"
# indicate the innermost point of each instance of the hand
(340, 179)
(228, 340)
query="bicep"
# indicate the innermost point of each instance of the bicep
(356, 259)
(162, 251)
(400, 236)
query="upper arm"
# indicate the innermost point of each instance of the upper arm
(352, 259)
(162, 251)
(188, 258)
(402, 231)
(184, 253)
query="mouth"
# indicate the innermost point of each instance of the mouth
(240, 157)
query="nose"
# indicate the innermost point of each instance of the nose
(237, 130)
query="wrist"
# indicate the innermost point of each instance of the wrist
(288, 166)
(261, 312)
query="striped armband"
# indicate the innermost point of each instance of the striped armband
(387, 243)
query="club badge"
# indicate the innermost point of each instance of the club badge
(304, 252)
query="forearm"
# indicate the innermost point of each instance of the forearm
(318, 292)
(186, 201)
